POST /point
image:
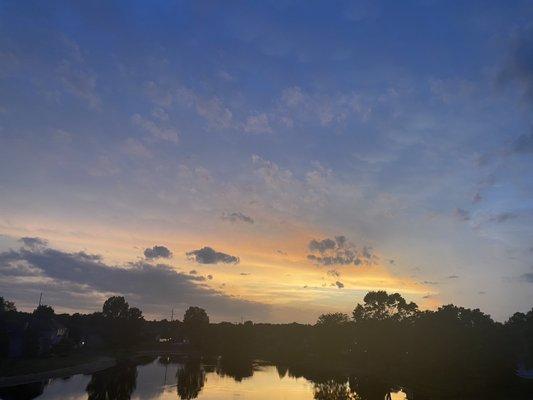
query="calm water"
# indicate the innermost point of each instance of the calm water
(165, 379)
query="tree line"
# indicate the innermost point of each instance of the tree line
(452, 349)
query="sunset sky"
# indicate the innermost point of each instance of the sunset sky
(267, 160)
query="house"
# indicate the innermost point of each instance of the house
(45, 333)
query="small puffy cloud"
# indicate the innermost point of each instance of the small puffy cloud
(339, 251)
(155, 130)
(333, 272)
(340, 285)
(322, 245)
(157, 252)
(135, 148)
(257, 124)
(453, 277)
(237, 217)
(217, 115)
(208, 255)
(33, 242)
(461, 214)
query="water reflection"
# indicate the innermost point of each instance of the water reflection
(332, 390)
(235, 367)
(190, 380)
(174, 378)
(114, 383)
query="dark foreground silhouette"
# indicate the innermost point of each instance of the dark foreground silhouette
(386, 345)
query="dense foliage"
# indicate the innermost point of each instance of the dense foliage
(451, 351)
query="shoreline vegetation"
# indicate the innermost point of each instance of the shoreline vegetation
(35, 370)
(387, 341)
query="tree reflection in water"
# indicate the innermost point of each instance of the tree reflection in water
(282, 371)
(237, 368)
(117, 383)
(371, 389)
(332, 390)
(190, 380)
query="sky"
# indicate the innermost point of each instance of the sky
(268, 161)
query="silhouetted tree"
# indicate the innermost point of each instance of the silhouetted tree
(195, 317)
(196, 325)
(332, 319)
(134, 313)
(380, 305)
(43, 312)
(6, 306)
(115, 307)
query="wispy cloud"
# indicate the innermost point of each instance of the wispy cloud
(237, 217)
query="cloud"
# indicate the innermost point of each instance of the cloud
(339, 251)
(257, 124)
(453, 277)
(328, 110)
(237, 217)
(79, 81)
(135, 148)
(333, 272)
(33, 242)
(157, 252)
(461, 214)
(155, 130)
(340, 285)
(502, 217)
(68, 276)
(207, 255)
(214, 112)
(519, 66)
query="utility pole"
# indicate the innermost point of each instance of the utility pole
(172, 317)
(40, 299)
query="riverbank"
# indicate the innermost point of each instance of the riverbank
(27, 371)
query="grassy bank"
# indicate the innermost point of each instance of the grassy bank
(36, 365)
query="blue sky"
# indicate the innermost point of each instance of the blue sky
(254, 128)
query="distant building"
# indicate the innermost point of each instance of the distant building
(45, 333)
